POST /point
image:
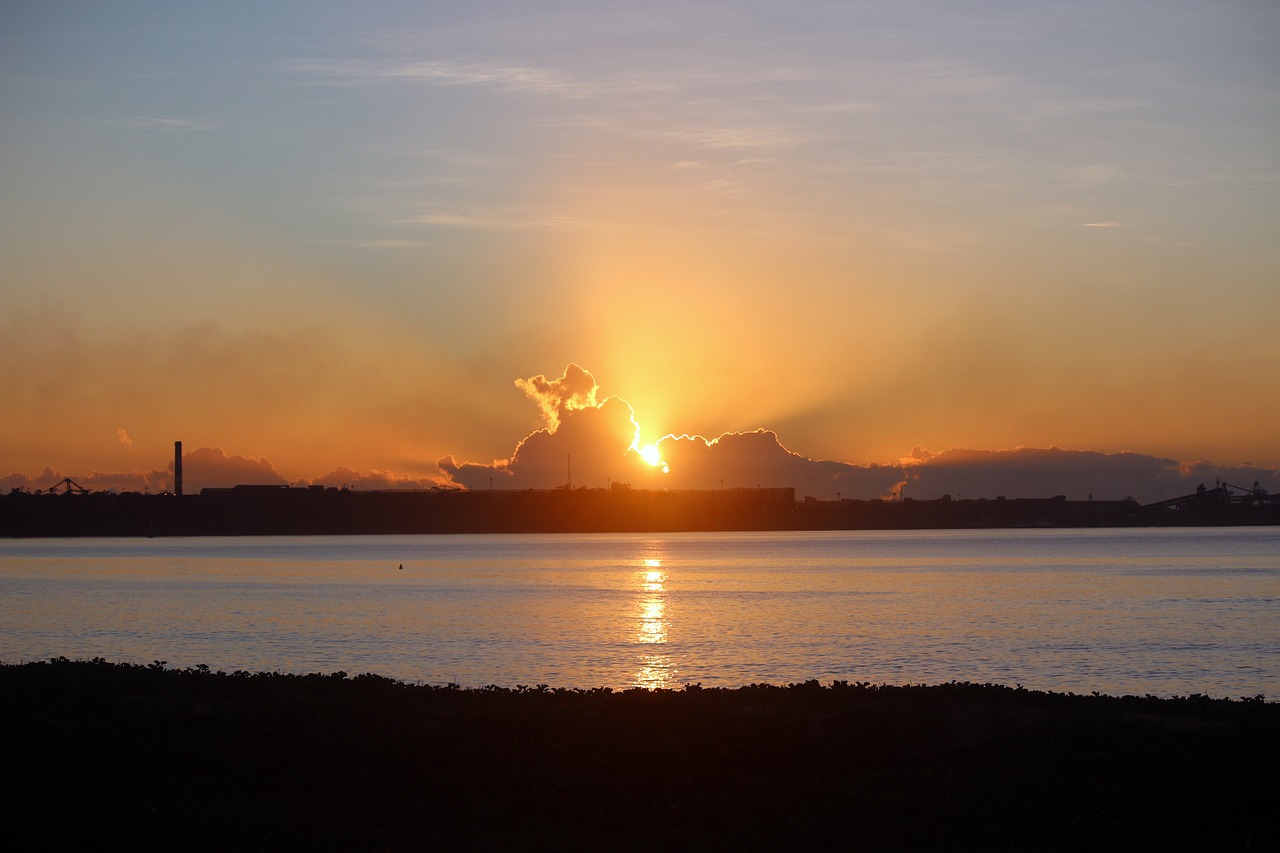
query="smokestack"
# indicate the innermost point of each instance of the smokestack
(177, 468)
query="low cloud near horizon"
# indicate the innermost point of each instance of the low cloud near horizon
(1044, 472)
(591, 441)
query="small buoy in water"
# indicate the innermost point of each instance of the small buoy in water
(402, 567)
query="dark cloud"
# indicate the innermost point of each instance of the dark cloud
(587, 441)
(1034, 472)
(758, 458)
(592, 445)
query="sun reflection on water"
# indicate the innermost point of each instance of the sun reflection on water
(653, 623)
(656, 667)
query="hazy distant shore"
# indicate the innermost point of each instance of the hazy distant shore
(157, 758)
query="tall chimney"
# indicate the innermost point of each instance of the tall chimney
(177, 468)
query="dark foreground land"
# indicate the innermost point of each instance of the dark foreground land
(109, 756)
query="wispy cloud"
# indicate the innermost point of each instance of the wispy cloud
(495, 220)
(883, 105)
(1069, 107)
(745, 136)
(641, 105)
(383, 243)
(173, 123)
(542, 81)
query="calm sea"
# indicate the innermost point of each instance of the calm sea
(1117, 611)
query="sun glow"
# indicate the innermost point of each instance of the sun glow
(649, 453)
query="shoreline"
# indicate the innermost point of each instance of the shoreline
(131, 533)
(282, 510)
(156, 758)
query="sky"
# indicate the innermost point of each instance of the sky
(1019, 246)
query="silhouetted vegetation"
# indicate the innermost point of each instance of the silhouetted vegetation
(145, 757)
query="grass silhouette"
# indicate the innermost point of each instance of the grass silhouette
(147, 757)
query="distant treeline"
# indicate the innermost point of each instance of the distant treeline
(250, 510)
(142, 757)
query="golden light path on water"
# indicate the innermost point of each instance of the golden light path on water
(1162, 611)
(656, 668)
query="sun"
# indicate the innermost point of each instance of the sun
(650, 454)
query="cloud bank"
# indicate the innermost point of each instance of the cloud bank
(1036, 472)
(210, 467)
(96, 481)
(590, 442)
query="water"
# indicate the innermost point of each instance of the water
(1118, 611)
